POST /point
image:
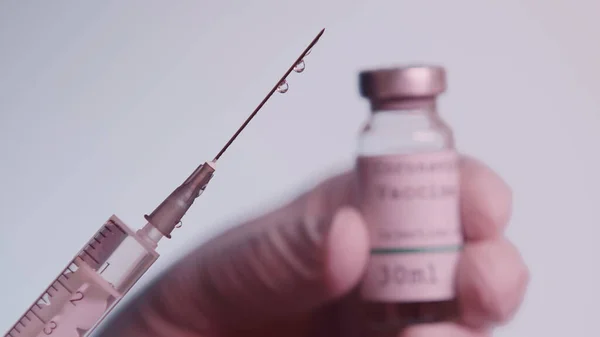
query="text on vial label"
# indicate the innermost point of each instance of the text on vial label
(411, 206)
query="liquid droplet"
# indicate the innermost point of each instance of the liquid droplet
(283, 87)
(300, 66)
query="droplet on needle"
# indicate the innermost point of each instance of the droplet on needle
(300, 66)
(283, 87)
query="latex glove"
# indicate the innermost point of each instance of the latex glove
(292, 272)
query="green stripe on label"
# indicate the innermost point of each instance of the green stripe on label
(435, 249)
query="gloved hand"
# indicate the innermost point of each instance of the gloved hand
(293, 272)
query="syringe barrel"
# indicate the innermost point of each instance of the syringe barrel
(169, 213)
(91, 285)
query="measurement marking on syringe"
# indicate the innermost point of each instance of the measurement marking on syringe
(91, 257)
(37, 316)
(46, 302)
(110, 224)
(103, 269)
(63, 285)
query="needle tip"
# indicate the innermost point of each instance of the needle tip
(318, 36)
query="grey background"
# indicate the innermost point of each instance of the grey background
(106, 106)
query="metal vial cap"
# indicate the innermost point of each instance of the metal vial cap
(402, 82)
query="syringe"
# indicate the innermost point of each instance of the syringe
(116, 257)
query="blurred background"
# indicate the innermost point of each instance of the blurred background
(106, 106)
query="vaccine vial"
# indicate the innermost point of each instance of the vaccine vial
(408, 177)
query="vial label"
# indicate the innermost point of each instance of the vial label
(411, 206)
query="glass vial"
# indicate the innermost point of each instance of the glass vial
(409, 195)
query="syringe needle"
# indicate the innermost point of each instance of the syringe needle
(169, 213)
(279, 83)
